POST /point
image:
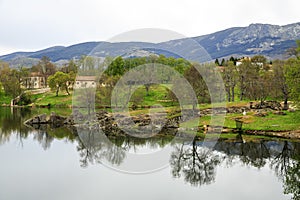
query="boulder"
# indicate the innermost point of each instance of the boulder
(274, 105)
(56, 119)
(40, 119)
(261, 114)
(70, 120)
(279, 113)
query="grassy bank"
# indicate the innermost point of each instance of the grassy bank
(50, 99)
(272, 122)
(4, 99)
(158, 94)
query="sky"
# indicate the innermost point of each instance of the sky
(30, 25)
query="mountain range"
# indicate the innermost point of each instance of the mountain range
(271, 41)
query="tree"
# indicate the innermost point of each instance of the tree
(280, 83)
(232, 59)
(59, 80)
(44, 67)
(70, 67)
(10, 81)
(264, 88)
(1, 88)
(295, 51)
(116, 67)
(223, 62)
(217, 62)
(292, 75)
(248, 76)
(230, 80)
(197, 82)
(105, 88)
(242, 77)
(261, 61)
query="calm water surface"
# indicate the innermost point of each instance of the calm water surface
(65, 164)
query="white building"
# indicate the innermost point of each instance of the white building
(35, 81)
(85, 82)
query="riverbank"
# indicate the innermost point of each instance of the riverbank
(148, 125)
(268, 120)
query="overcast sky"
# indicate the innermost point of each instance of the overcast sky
(36, 24)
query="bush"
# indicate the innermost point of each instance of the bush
(24, 99)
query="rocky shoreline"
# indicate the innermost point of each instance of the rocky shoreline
(147, 125)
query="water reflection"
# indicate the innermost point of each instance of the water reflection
(11, 121)
(193, 162)
(93, 147)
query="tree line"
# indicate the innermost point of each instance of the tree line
(253, 79)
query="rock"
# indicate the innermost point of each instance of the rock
(56, 119)
(172, 123)
(70, 120)
(274, 105)
(234, 109)
(43, 118)
(261, 114)
(291, 110)
(40, 119)
(279, 113)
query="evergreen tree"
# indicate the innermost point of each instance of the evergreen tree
(217, 62)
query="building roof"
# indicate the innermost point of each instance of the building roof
(85, 78)
(35, 74)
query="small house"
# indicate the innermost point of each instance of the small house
(85, 82)
(35, 81)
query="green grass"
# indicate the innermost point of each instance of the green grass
(4, 99)
(272, 122)
(291, 121)
(62, 100)
(158, 94)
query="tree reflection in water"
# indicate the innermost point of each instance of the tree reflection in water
(93, 147)
(286, 165)
(11, 122)
(197, 164)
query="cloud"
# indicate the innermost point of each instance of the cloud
(35, 24)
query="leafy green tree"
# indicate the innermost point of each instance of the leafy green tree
(197, 82)
(230, 77)
(70, 67)
(264, 88)
(248, 76)
(105, 88)
(261, 61)
(292, 74)
(44, 67)
(1, 88)
(116, 67)
(58, 81)
(182, 65)
(10, 81)
(279, 83)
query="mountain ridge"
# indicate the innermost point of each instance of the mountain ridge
(269, 40)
